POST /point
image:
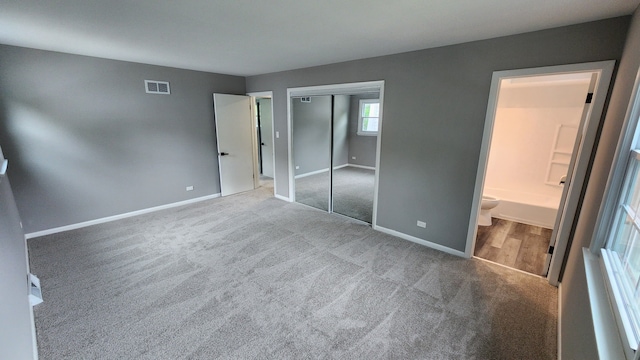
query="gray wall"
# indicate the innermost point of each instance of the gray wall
(16, 341)
(435, 102)
(87, 142)
(362, 147)
(311, 134)
(577, 334)
(341, 144)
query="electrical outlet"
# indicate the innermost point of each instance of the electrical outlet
(277, 134)
(353, 158)
(422, 224)
(297, 167)
(190, 188)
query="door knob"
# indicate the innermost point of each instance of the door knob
(223, 153)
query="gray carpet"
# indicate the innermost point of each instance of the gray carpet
(352, 192)
(314, 190)
(252, 277)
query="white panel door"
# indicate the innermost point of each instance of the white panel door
(575, 177)
(235, 142)
(266, 134)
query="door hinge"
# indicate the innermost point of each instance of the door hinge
(550, 251)
(589, 98)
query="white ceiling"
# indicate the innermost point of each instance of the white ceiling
(248, 37)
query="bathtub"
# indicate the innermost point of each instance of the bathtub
(526, 208)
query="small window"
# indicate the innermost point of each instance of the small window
(369, 117)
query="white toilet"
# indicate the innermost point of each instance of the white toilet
(488, 203)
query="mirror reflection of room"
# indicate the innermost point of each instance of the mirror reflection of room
(346, 146)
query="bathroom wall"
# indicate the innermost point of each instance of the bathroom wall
(534, 132)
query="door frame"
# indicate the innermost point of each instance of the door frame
(590, 130)
(254, 125)
(337, 89)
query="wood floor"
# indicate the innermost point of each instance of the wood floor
(513, 244)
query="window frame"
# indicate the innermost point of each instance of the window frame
(606, 227)
(619, 289)
(360, 117)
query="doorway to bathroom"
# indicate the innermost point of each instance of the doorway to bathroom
(539, 134)
(334, 142)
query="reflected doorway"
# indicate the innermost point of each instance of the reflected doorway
(264, 154)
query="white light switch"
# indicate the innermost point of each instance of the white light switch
(277, 134)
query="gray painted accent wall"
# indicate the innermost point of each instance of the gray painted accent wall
(362, 147)
(86, 142)
(578, 339)
(435, 102)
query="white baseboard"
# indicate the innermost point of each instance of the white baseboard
(33, 334)
(420, 241)
(282, 197)
(118, 217)
(335, 168)
(559, 327)
(311, 173)
(362, 166)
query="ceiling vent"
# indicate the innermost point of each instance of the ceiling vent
(157, 87)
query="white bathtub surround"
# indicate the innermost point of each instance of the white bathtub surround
(526, 208)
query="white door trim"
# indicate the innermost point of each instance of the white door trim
(616, 174)
(605, 71)
(337, 89)
(290, 167)
(264, 94)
